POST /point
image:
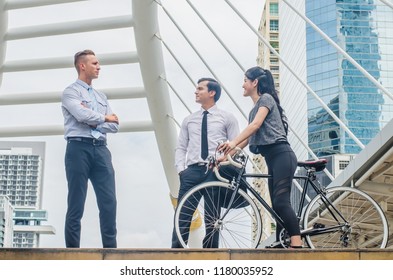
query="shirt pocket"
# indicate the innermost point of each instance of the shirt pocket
(101, 107)
(87, 103)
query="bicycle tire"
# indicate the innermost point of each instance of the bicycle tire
(237, 228)
(367, 225)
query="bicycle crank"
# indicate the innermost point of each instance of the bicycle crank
(285, 240)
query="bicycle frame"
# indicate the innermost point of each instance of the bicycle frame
(308, 180)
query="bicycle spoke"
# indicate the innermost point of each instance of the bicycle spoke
(364, 226)
(238, 227)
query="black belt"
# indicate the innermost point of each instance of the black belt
(91, 141)
(198, 164)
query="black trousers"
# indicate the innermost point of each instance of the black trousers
(282, 163)
(189, 178)
(84, 161)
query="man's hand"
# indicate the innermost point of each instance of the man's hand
(222, 159)
(84, 105)
(112, 118)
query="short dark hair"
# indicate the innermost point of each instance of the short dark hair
(79, 55)
(212, 85)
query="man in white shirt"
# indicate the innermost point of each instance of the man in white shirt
(190, 156)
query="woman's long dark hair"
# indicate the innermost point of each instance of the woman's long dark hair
(266, 85)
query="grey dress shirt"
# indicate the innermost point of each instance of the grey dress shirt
(221, 126)
(79, 115)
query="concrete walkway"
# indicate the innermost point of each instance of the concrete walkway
(192, 254)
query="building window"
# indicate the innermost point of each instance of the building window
(274, 25)
(275, 45)
(343, 164)
(273, 9)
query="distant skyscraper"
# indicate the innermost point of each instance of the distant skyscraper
(6, 228)
(364, 29)
(293, 94)
(269, 29)
(21, 173)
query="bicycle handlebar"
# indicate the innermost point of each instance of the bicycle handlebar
(229, 161)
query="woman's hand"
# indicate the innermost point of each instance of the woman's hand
(226, 147)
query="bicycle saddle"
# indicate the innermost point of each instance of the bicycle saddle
(318, 164)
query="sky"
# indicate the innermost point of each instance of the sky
(145, 212)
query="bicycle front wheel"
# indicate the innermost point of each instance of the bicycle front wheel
(220, 223)
(362, 223)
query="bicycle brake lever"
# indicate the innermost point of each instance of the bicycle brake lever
(207, 168)
(210, 162)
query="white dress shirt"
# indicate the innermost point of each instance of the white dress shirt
(221, 126)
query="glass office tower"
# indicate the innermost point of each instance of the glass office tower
(364, 29)
(293, 94)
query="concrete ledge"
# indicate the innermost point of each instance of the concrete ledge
(192, 254)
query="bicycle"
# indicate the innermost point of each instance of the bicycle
(336, 217)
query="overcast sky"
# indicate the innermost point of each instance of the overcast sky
(145, 212)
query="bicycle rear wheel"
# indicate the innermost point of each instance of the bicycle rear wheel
(238, 226)
(365, 227)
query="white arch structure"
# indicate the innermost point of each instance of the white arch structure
(148, 55)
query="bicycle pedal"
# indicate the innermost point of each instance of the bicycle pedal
(276, 245)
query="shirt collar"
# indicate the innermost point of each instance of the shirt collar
(83, 84)
(211, 110)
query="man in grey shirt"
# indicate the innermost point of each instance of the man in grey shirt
(189, 159)
(87, 119)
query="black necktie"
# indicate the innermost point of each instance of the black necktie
(204, 147)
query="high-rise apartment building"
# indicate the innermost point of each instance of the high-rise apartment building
(269, 29)
(364, 29)
(6, 223)
(21, 180)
